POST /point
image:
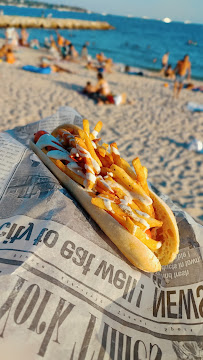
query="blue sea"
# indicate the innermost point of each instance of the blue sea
(135, 41)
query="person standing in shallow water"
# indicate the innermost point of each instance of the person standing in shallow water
(182, 70)
(164, 62)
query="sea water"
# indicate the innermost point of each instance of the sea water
(135, 41)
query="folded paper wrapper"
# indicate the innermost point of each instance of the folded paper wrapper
(66, 289)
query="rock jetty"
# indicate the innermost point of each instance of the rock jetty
(52, 23)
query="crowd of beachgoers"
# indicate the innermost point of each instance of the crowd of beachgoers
(62, 49)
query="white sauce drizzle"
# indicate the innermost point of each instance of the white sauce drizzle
(105, 183)
(110, 174)
(73, 165)
(87, 167)
(142, 213)
(49, 140)
(130, 212)
(130, 195)
(134, 229)
(84, 153)
(76, 169)
(95, 133)
(107, 203)
(94, 145)
(114, 150)
(91, 177)
(59, 155)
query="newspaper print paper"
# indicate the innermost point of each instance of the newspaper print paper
(67, 292)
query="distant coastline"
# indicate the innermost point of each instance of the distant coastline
(42, 5)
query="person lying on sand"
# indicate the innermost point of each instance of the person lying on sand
(182, 70)
(46, 63)
(91, 66)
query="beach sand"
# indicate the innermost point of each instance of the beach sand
(155, 127)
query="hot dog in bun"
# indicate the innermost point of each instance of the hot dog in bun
(116, 196)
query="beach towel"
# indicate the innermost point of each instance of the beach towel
(36, 69)
(194, 107)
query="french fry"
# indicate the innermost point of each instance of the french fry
(106, 161)
(86, 126)
(89, 145)
(114, 151)
(125, 166)
(89, 169)
(131, 185)
(141, 174)
(104, 185)
(120, 161)
(150, 243)
(104, 171)
(96, 130)
(145, 171)
(101, 150)
(105, 146)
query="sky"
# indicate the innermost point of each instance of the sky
(179, 10)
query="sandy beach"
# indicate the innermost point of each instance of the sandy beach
(155, 127)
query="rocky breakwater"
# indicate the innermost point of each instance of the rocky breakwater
(52, 23)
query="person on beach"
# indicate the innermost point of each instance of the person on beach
(102, 86)
(46, 63)
(54, 51)
(169, 72)
(84, 53)
(23, 41)
(101, 93)
(12, 37)
(91, 66)
(182, 70)
(164, 62)
(60, 40)
(108, 66)
(100, 58)
(72, 53)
